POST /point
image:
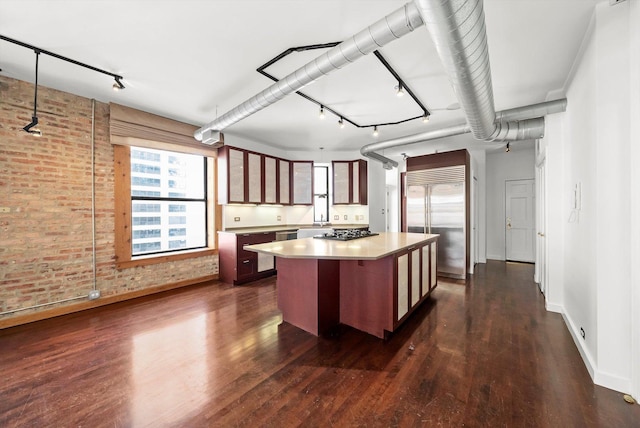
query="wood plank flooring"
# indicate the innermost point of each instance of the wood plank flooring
(485, 355)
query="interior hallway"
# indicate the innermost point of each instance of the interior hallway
(216, 355)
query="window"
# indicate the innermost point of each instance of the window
(320, 193)
(152, 174)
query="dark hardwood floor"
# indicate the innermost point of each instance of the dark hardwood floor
(215, 355)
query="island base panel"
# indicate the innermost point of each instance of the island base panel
(366, 295)
(309, 293)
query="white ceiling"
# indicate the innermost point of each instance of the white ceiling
(191, 60)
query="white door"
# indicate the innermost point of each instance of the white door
(520, 220)
(541, 248)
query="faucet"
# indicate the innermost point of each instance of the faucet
(321, 220)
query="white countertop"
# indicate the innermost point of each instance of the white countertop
(369, 248)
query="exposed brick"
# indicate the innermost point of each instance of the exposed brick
(46, 253)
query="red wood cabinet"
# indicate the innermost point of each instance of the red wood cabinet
(238, 266)
(350, 182)
(255, 178)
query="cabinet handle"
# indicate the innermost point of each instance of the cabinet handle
(245, 261)
(246, 234)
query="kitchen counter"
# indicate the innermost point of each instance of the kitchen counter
(368, 248)
(372, 284)
(290, 227)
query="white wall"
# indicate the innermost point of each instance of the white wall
(518, 164)
(634, 161)
(591, 147)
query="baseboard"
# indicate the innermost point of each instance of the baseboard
(495, 257)
(553, 307)
(577, 339)
(107, 300)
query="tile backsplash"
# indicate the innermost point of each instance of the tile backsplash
(274, 215)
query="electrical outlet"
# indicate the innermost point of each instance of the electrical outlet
(336, 217)
(94, 294)
(279, 218)
(582, 332)
(346, 217)
(236, 219)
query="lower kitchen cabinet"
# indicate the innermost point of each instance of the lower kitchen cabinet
(238, 266)
(415, 277)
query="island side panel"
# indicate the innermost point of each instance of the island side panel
(367, 294)
(308, 293)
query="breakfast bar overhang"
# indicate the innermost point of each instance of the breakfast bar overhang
(372, 284)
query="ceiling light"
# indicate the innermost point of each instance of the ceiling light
(375, 131)
(34, 118)
(321, 115)
(507, 149)
(426, 118)
(399, 89)
(118, 85)
(341, 123)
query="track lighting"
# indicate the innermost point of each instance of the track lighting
(507, 149)
(321, 115)
(34, 118)
(399, 89)
(117, 86)
(341, 123)
(425, 118)
(375, 131)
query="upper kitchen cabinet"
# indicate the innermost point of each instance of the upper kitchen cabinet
(255, 175)
(302, 173)
(350, 182)
(231, 175)
(284, 182)
(270, 180)
(246, 177)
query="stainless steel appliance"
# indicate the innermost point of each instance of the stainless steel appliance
(435, 203)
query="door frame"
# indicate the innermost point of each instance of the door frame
(506, 204)
(541, 276)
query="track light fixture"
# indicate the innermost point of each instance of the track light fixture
(118, 86)
(375, 131)
(34, 118)
(399, 89)
(508, 148)
(321, 115)
(341, 123)
(425, 118)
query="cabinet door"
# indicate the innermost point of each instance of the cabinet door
(254, 166)
(302, 182)
(269, 180)
(340, 182)
(355, 182)
(426, 274)
(433, 264)
(265, 262)
(402, 284)
(284, 184)
(236, 175)
(415, 276)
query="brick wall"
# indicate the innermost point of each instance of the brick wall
(45, 184)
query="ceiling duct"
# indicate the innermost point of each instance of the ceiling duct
(393, 26)
(458, 30)
(528, 121)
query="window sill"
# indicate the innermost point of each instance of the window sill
(152, 260)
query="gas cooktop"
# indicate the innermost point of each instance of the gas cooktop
(346, 235)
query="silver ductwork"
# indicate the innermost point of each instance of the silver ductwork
(529, 121)
(458, 30)
(393, 26)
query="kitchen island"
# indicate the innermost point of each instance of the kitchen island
(372, 284)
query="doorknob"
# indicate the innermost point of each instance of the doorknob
(508, 223)
(541, 234)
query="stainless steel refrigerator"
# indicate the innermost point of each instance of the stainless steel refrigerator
(435, 203)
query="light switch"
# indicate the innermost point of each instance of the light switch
(236, 219)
